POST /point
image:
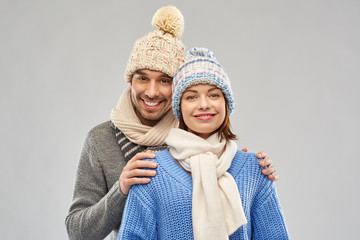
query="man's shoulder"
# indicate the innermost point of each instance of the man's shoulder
(105, 129)
(102, 139)
(103, 134)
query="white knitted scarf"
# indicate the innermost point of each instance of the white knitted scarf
(124, 118)
(217, 211)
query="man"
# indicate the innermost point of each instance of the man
(138, 127)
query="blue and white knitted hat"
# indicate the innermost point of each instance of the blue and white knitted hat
(200, 66)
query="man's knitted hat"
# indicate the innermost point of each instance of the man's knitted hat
(200, 66)
(161, 49)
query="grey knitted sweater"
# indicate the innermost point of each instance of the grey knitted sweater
(98, 204)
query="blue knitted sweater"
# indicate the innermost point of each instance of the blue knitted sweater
(161, 209)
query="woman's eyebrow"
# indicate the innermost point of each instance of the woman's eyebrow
(214, 88)
(190, 90)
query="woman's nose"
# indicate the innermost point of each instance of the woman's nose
(204, 103)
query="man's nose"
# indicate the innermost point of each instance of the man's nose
(152, 90)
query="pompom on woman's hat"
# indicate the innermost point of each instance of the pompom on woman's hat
(162, 49)
(200, 67)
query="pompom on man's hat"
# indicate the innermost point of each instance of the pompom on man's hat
(200, 67)
(161, 49)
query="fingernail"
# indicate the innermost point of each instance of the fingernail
(260, 155)
(154, 165)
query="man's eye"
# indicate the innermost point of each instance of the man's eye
(165, 81)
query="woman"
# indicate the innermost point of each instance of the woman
(204, 188)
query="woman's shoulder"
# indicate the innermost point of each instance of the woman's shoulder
(242, 159)
(162, 154)
(168, 174)
(246, 171)
(164, 162)
(159, 156)
(245, 163)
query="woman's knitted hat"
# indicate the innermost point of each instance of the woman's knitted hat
(200, 66)
(161, 49)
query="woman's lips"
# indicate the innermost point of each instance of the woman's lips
(204, 116)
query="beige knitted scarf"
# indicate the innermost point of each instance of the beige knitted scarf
(217, 211)
(123, 116)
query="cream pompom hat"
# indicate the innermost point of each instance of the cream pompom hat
(161, 49)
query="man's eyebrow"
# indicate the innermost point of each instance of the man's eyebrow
(140, 72)
(165, 75)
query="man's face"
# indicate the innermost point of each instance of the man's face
(151, 95)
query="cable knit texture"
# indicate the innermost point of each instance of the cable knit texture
(124, 118)
(162, 209)
(216, 206)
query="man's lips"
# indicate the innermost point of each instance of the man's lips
(151, 105)
(205, 116)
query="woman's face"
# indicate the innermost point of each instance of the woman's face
(203, 109)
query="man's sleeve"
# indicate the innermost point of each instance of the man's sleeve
(95, 210)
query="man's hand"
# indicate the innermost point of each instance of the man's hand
(132, 174)
(266, 162)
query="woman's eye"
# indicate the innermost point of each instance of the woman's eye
(190, 97)
(215, 95)
(142, 78)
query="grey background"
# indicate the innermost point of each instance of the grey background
(295, 70)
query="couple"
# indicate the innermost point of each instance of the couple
(142, 121)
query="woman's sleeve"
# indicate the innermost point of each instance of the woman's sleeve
(138, 220)
(267, 217)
